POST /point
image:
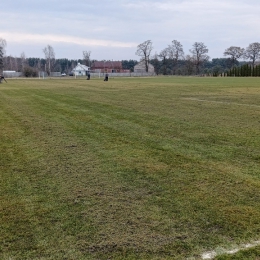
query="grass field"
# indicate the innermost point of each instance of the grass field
(151, 168)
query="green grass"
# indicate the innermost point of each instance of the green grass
(156, 168)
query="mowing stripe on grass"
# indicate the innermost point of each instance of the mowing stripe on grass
(221, 102)
(128, 169)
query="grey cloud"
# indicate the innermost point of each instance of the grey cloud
(217, 23)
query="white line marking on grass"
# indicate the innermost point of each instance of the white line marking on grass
(220, 251)
(221, 102)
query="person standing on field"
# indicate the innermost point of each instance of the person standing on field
(2, 78)
(106, 77)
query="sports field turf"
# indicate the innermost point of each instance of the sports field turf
(148, 168)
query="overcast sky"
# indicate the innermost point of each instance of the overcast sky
(111, 29)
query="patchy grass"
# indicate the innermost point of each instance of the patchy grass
(158, 168)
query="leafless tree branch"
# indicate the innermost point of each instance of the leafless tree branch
(144, 50)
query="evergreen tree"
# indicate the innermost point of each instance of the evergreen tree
(250, 71)
(129, 64)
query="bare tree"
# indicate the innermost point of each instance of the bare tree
(144, 50)
(252, 52)
(156, 63)
(50, 58)
(23, 61)
(176, 52)
(16, 67)
(2, 53)
(11, 62)
(86, 58)
(235, 53)
(199, 54)
(163, 55)
(189, 64)
(8, 62)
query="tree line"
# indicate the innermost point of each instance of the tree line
(244, 71)
(30, 67)
(170, 61)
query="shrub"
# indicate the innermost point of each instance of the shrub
(29, 72)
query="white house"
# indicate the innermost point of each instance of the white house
(140, 67)
(80, 70)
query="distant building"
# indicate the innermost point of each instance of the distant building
(11, 73)
(108, 67)
(80, 70)
(140, 67)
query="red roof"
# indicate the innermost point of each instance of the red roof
(107, 65)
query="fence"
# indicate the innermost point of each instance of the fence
(55, 74)
(128, 74)
(43, 74)
(92, 74)
(12, 74)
